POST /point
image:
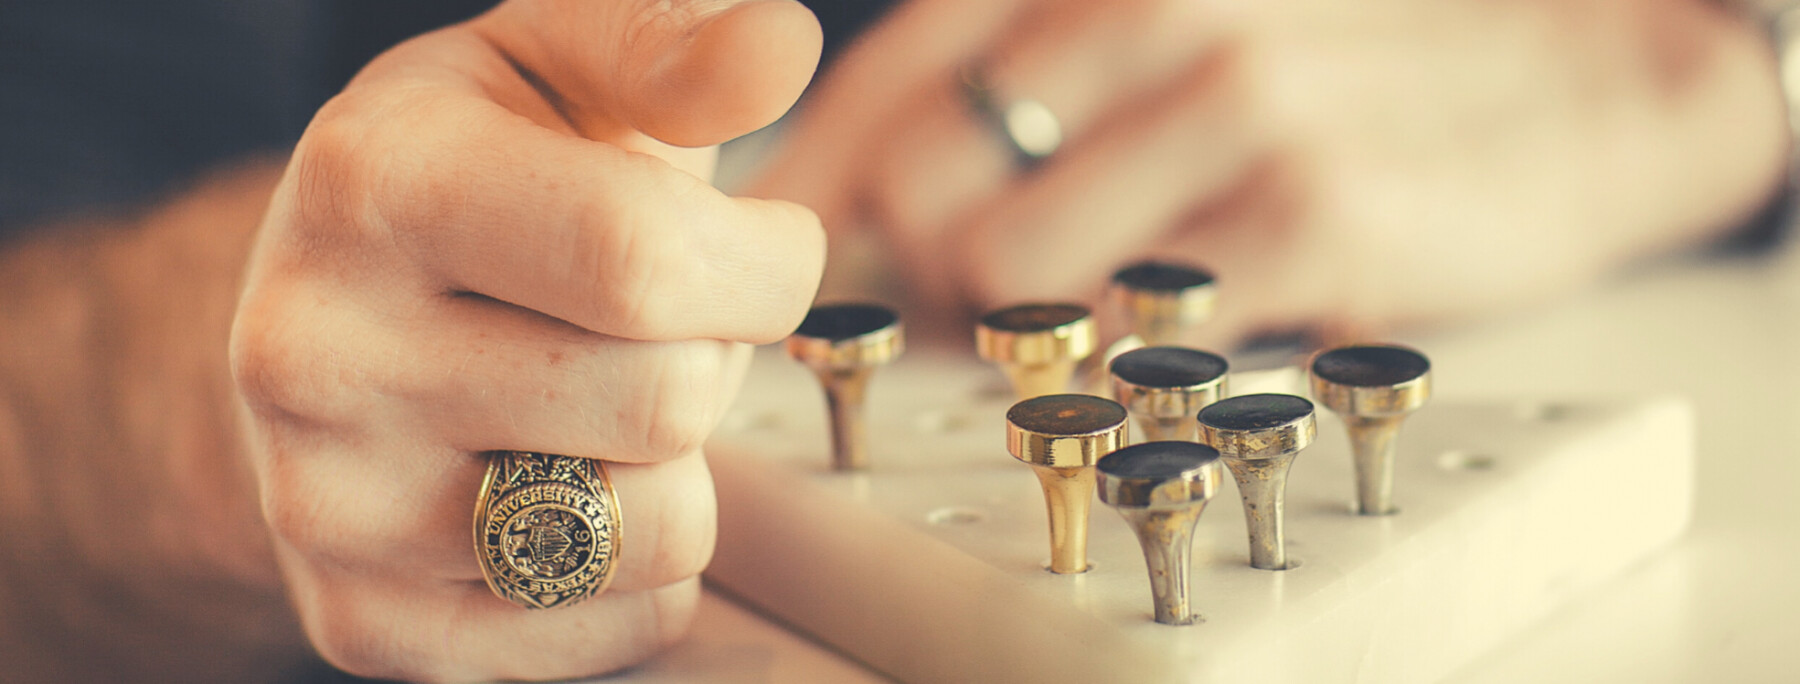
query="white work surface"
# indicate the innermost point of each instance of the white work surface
(1720, 604)
(1723, 603)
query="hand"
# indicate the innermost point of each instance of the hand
(498, 237)
(1334, 163)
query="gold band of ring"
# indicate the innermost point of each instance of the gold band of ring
(546, 528)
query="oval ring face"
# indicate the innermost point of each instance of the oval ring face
(546, 529)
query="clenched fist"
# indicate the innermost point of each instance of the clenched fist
(500, 236)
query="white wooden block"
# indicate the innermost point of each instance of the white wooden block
(929, 566)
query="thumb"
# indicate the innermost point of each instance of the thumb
(686, 72)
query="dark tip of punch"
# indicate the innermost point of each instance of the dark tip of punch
(839, 322)
(1168, 367)
(1066, 414)
(1370, 366)
(1156, 276)
(1026, 318)
(1157, 460)
(1255, 412)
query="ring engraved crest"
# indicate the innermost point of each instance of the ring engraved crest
(546, 528)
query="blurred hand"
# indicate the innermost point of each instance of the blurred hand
(1334, 163)
(500, 237)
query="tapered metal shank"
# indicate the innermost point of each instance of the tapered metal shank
(1258, 436)
(1161, 488)
(1373, 388)
(1062, 436)
(844, 390)
(842, 344)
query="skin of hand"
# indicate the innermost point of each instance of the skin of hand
(1337, 165)
(499, 236)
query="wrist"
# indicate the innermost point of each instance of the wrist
(129, 515)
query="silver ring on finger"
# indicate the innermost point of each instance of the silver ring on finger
(1026, 126)
(546, 528)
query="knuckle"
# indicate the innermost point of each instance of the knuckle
(788, 279)
(365, 628)
(673, 428)
(683, 404)
(674, 608)
(289, 362)
(626, 260)
(690, 532)
(352, 639)
(347, 648)
(264, 360)
(808, 269)
(253, 363)
(361, 163)
(293, 508)
(303, 351)
(332, 162)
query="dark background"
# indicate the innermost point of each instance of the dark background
(108, 105)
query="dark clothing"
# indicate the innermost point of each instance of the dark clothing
(109, 104)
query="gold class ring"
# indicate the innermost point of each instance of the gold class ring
(546, 528)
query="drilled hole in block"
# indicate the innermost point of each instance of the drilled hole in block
(1292, 564)
(938, 422)
(1353, 508)
(955, 515)
(1090, 568)
(1542, 412)
(1458, 459)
